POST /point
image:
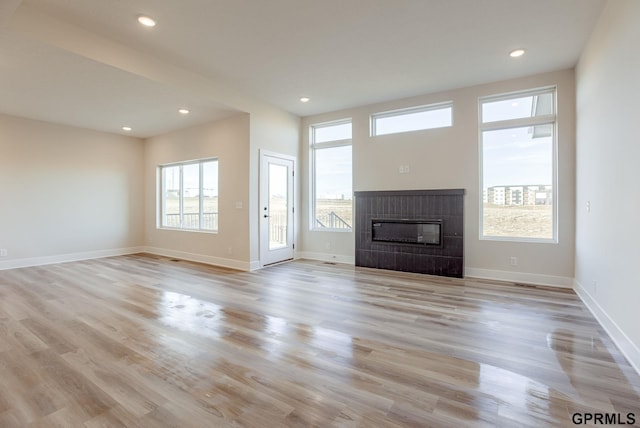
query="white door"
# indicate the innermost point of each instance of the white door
(276, 207)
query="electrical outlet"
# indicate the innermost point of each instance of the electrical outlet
(3, 252)
(513, 261)
(588, 206)
(327, 246)
(595, 286)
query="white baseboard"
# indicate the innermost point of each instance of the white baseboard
(629, 349)
(87, 255)
(521, 277)
(326, 257)
(65, 258)
(200, 258)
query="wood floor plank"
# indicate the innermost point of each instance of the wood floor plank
(146, 341)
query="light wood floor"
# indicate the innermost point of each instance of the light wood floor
(144, 341)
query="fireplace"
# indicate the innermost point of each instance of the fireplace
(420, 232)
(411, 230)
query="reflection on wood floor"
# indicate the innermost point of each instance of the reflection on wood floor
(145, 341)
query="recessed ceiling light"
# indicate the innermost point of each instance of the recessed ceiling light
(183, 111)
(304, 99)
(126, 128)
(146, 21)
(516, 53)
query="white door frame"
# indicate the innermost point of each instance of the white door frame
(269, 256)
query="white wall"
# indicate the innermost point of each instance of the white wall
(67, 193)
(227, 140)
(448, 158)
(72, 193)
(608, 174)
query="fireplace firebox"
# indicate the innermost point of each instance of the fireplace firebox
(403, 231)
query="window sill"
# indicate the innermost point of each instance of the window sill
(331, 230)
(177, 229)
(519, 240)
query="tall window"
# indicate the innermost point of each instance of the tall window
(189, 195)
(518, 170)
(331, 180)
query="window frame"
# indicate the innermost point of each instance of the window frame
(313, 146)
(162, 202)
(549, 119)
(406, 111)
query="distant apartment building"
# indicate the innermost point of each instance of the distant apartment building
(525, 195)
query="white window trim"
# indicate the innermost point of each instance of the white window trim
(312, 171)
(162, 204)
(408, 110)
(551, 119)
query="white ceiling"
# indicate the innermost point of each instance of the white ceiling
(88, 63)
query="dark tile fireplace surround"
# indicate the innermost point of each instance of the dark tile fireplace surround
(411, 230)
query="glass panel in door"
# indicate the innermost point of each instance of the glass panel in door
(278, 201)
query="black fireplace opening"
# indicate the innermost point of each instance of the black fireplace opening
(419, 232)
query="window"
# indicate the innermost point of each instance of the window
(189, 195)
(412, 119)
(331, 176)
(518, 172)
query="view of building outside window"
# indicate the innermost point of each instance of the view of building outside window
(518, 145)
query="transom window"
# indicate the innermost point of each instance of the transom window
(332, 202)
(518, 166)
(412, 119)
(189, 195)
